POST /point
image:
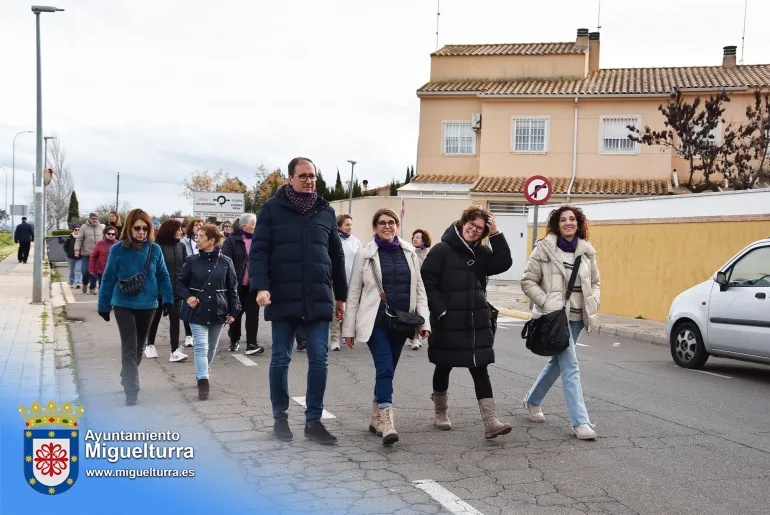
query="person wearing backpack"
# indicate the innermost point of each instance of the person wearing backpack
(545, 282)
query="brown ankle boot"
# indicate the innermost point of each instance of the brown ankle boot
(203, 389)
(440, 405)
(492, 426)
(389, 434)
(374, 425)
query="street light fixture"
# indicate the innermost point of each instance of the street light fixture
(13, 180)
(37, 270)
(352, 167)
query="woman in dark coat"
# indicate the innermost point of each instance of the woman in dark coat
(455, 275)
(210, 290)
(174, 254)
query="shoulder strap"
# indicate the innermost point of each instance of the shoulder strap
(203, 286)
(149, 255)
(377, 281)
(572, 279)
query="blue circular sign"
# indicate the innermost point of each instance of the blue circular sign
(156, 223)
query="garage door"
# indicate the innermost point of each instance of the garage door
(512, 220)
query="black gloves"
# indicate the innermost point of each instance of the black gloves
(167, 307)
(105, 315)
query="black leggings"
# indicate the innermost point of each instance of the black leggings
(480, 380)
(173, 324)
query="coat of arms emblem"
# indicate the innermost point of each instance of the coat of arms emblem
(51, 456)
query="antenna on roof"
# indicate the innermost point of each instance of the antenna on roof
(743, 38)
(599, 17)
(438, 13)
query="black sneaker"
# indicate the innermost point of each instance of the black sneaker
(316, 431)
(254, 349)
(302, 347)
(234, 346)
(131, 399)
(281, 430)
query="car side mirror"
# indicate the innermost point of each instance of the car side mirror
(721, 280)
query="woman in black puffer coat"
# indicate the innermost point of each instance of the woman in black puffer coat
(455, 275)
(210, 290)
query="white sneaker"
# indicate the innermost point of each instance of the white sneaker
(584, 432)
(335, 345)
(416, 344)
(178, 355)
(535, 413)
(188, 341)
(150, 351)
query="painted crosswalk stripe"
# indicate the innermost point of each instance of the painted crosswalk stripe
(703, 372)
(301, 401)
(445, 498)
(243, 359)
(582, 345)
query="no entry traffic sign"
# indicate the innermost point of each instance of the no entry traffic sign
(537, 190)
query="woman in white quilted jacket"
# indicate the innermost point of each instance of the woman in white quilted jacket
(545, 282)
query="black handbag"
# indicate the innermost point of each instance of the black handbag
(548, 335)
(187, 314)
(134, 284)
(399, 322)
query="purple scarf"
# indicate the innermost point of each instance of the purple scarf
(344, 235)
(386, 244)
(567, 246)
(302, 201)
(247, 235)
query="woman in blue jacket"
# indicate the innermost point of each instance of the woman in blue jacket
(210, 289)
(135, 253)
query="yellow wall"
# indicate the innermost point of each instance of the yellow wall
(433, 112)
(644, 267)
(508, 67)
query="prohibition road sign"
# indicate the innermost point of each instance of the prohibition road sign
(537, 190)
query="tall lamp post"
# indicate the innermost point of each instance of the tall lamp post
(37, 270)
(13, 180)
(352, 167)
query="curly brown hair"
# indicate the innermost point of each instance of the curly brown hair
(191, 226)
(167, 231)
(341, 219)
(555, 216)
(472, 213)
(425, 236)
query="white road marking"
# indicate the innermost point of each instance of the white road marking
(301, 401)
(703, 372)
(243, 359)
(445, 498)
(582, 345)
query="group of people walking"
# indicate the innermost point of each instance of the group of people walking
(319, 284)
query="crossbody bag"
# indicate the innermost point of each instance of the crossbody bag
(134, 284)
(398, 322)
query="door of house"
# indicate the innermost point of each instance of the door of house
(512, 220)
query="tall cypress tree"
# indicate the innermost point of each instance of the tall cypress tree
(73, 213)
(408, 176)
(339, 189)
(320, 186)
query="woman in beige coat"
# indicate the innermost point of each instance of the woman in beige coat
(385, 273)
(545, 282)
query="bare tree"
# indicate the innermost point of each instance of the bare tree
(58, 192)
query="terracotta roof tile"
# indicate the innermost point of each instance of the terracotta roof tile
(581, 187)
(510, 49)
(445, 179)
(620, 81)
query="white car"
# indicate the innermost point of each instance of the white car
(728, 315)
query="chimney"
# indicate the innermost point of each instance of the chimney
(582, 39)
(728, 61)
(593, 52)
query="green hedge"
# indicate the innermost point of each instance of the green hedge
(61, 232)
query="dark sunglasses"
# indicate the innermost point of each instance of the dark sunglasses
(111, 234)
(141, 228)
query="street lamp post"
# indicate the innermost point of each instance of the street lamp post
(352, 167)
(13, 180)
(37, 270)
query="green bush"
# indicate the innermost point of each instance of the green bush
(61, 232)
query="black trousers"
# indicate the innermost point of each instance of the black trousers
(249, 311)
(133, 324)
(24, 251)
(480, 380)
(173, 324)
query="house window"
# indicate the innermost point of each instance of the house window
(613, 134)
(459, 139)
(530, 134)
(715, 140)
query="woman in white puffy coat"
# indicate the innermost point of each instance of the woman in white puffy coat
(350, 245)
(545, 282)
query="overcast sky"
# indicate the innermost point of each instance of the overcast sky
(156, 89)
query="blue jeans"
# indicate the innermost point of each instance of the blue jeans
(74, 266)
(386, 349)
(205, 342)
(566, 365)
(87, 277)
(317, 334)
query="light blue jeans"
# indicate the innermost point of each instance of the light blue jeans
(205, 342)
(566, 366)
(74, 265)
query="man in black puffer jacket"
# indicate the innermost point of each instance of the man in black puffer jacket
(297, 270)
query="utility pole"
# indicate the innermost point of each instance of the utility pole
(117, 194)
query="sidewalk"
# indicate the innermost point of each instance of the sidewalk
(31, 337)
(511, 301)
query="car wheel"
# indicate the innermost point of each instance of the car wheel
(687, 347)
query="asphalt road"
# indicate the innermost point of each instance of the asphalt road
(670, 440)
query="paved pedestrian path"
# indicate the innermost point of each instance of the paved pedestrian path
(511, 301)
(30, 339)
